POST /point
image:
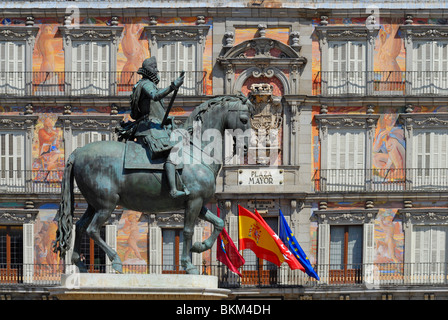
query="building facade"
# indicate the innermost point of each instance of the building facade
(350, 97)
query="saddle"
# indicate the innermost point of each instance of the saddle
(137, 155)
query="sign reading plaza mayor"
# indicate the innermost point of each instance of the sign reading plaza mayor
(262, 176)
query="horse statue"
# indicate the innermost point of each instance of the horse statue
(99, 171)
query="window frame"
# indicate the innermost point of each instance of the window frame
(26, 35)
(327, 218)
(88, 33)
(345, 33)
(331, 122)
(185, 33)
(411, 218)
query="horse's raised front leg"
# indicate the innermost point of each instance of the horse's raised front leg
(218, 225)
(191, 213)
(81, 226)
(93, 230)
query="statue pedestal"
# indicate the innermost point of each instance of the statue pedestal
(91, 286)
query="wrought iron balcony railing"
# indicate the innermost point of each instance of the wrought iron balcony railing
(66, 83)
(380, 180)
(268, 276)
(332, 83)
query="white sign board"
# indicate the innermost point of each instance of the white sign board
(262, 176)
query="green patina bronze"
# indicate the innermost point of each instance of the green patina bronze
(99, 171)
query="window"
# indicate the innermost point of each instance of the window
(346, 246)
(430, 243)
(346, 253)
(91, 61)
(11, 253)
(81, 138)
(430, 66)
(12, 162)
(344, 152)
(347, 67)
(95, 258)
(176, 49)
(174, 57)
(12, 67)
(172, 244)
(430, 158)
(90, 55)
(346, 159)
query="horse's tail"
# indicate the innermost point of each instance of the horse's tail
(65, 212)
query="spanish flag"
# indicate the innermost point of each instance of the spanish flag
(255, 234)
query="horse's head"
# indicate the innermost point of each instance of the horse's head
(238, 119)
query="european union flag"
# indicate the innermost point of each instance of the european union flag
(290, 241)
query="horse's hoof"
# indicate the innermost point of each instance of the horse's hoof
(192, 270)
(117, 267)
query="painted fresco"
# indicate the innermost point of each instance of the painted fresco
(132, 239)
(48, 151)
(389, 147)
(44, 237)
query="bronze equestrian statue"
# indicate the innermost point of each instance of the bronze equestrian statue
(101, 175)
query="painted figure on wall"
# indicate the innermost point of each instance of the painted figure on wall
(389, 146)
(132, 239)
(134, 52)
(48, 153)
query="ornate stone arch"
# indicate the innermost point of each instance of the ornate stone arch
(262, 57)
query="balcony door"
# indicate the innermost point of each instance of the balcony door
(11, 254)
(429, 254)
(90, 68)
(174, 57)
(346, 244)
(346, 160)
(430, 65)
(430, 159)
(12, 161)
(347, 68)
(12, 67)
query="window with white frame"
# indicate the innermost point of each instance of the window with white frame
(12, 67)
(12, 160)
(90, 54)
(81, 138)
(345, 154)
(179, 49)
(174, 57)
(430, 67)
(429, 252)
(347, 67)
(90, 67)
(346, 58)
(430, 158)
(346, 159)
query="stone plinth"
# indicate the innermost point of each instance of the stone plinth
(86, 286)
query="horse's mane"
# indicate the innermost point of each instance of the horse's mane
(213, 103)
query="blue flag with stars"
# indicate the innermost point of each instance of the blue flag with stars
(290, 241)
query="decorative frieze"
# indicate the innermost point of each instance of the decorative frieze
(349, 216)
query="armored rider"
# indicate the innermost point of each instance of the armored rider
(147, 108)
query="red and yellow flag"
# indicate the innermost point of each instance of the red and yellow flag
(255, 234)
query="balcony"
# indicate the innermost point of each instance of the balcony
(389, 83)
(331, 276)
(25, 84)
(380, 180)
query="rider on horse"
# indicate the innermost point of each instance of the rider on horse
(148, 111)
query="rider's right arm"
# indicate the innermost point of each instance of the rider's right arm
(156, 94)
